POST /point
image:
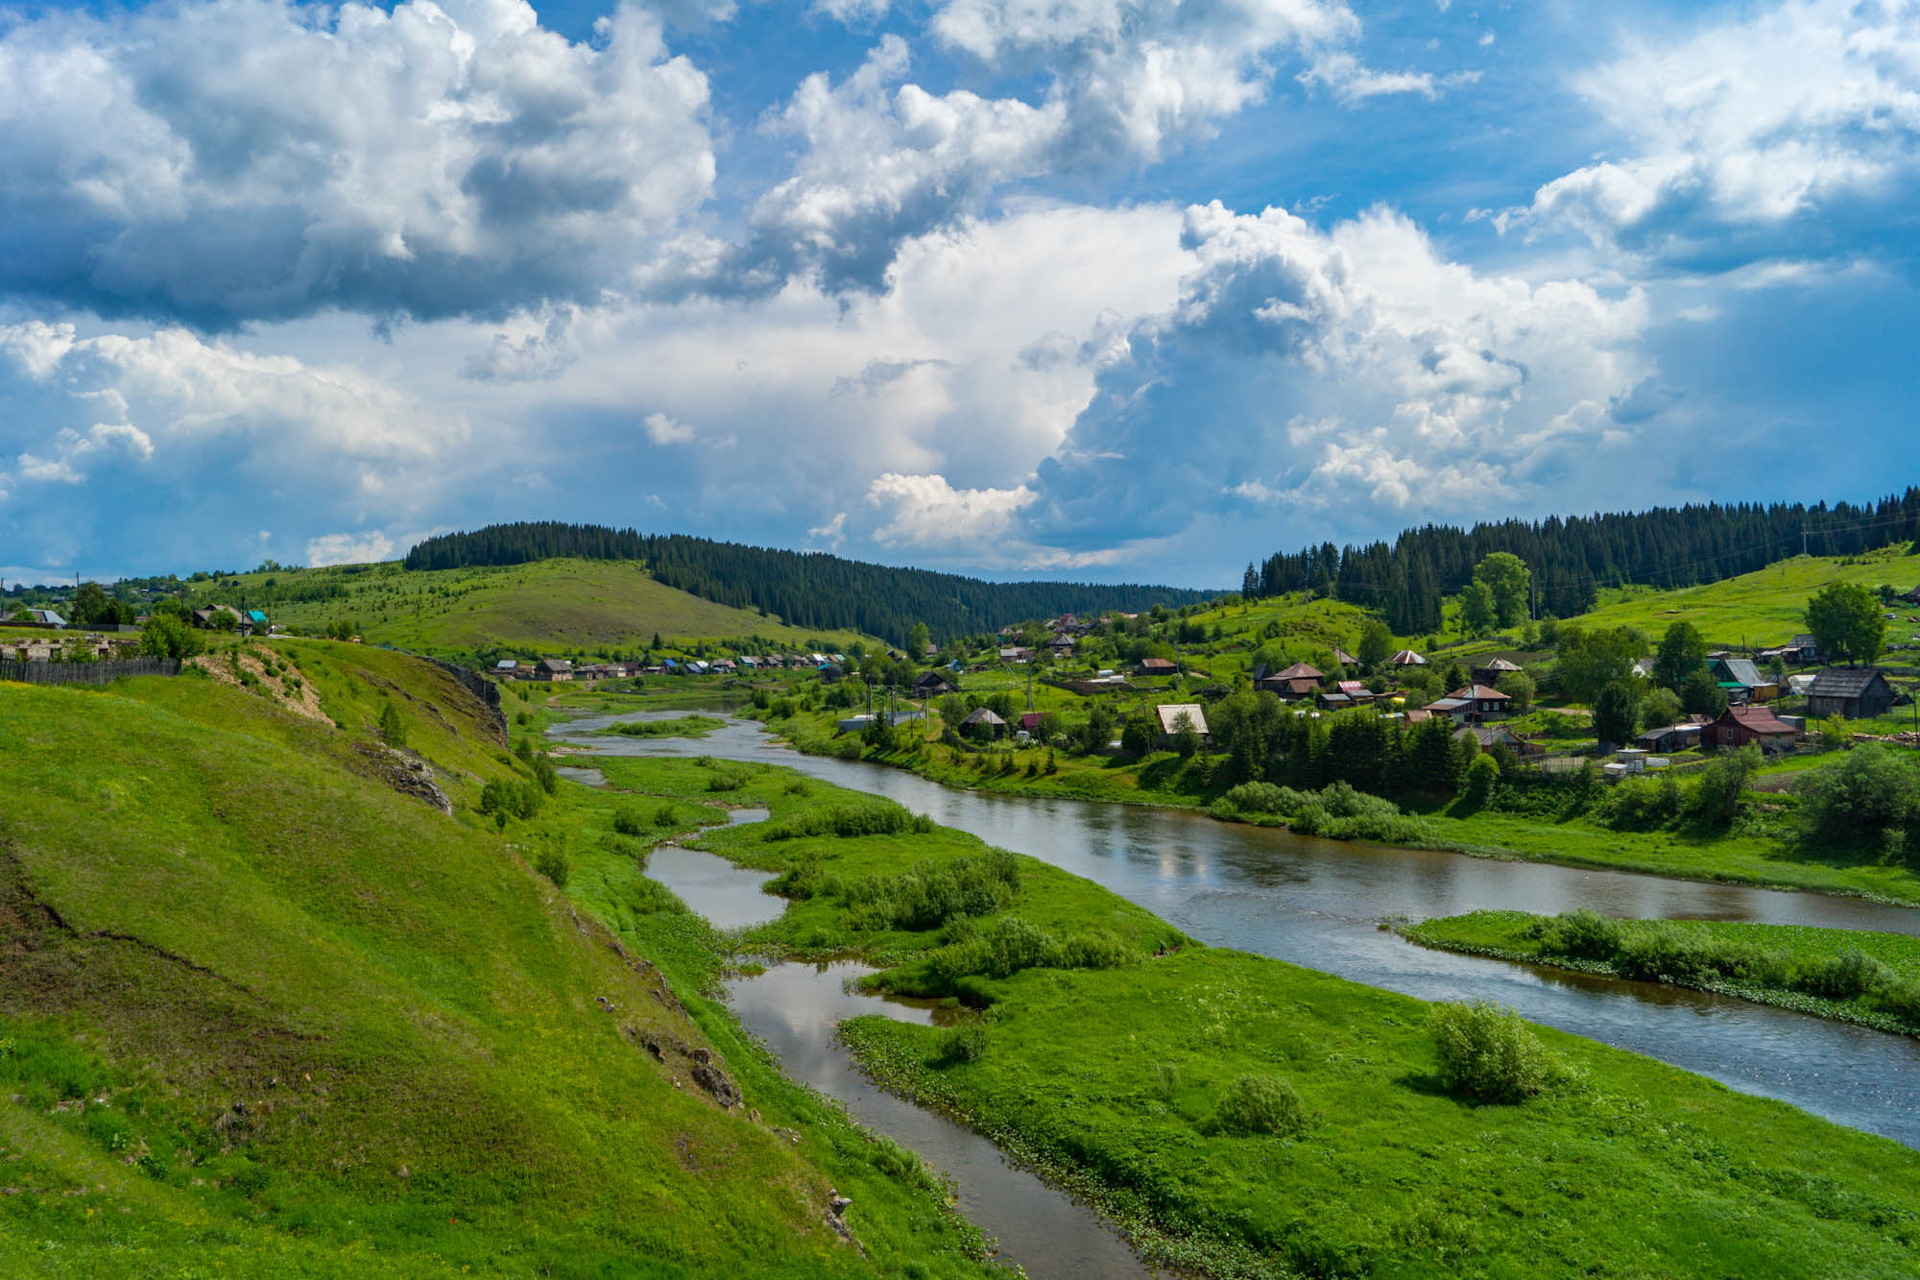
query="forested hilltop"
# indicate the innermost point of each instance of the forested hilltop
(1573, 557)
(805, 589)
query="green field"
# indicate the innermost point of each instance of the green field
(1845, 974)
(543, 607)
(262, 1014)
(1765, 607)
(1103, 1051)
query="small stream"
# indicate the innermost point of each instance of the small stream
(794, 1009)
(1317, 902)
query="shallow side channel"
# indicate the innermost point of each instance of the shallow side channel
(1315, 903)
(794, 1009)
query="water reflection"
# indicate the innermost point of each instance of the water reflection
(794, 1009)
(1313, 902)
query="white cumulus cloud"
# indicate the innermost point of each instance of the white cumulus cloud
(218, 161)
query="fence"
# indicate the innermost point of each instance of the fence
(87, 672)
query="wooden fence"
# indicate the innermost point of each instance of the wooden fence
(87, 672)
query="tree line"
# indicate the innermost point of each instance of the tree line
(805, 589)
(1572, 557)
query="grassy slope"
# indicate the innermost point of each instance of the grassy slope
(1110, 1078)
(1764, 607)
(547, 605)
(1512, 935)
(206, 902)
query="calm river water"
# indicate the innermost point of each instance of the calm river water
(1316, 903)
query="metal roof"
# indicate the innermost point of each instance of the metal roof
(1843, 682)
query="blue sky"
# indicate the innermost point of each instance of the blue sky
(1098, 288)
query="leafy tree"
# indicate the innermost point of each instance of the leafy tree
(1659, 708)
(1835, 731)
(1682, 652)
(1478, 613)
(1613, 713)
(392, 731)
(1716, 795)
(1592, 660)
(1186, 739)
(1508, 580)
(1137, 737)
(1481, 775)
(91, 607)
(1859, 799)
(166, 636)
(1847, 622)
(918, 638)
(1519, 686)
(1701, 696)
(1376, 643)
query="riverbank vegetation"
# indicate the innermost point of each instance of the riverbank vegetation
(1246, 1117)
(688, 726)
(1845, 974)
(267, 1010)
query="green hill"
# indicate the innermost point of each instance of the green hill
(543, 606)
(263, 1014)
(1762, 608)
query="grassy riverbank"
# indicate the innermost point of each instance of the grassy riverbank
(1845, 974)
(1105, 1046)
(1754, 851)
(264, 1012)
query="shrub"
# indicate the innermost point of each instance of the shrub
(725, 778)
(1486, 1051)
(545, 774)
(627, 821)
(1857, 799)
(1716, 796)
(1846, 975)
(1482, 774)
(508, 799)
(964, 1043)
(1014, 945)
(1097, 949)
(1660, 950)
(933, 893)
(666, 818)
(1582, 934)
(553, 864)
(1262, 1105)
(873, 818)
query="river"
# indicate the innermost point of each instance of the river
(1317, 903)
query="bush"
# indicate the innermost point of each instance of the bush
(1262, 1105)
(1858, 799)
(627, 821)
(1014, 945)
(964, 1043)
(508, 799)
(1582, 934)
(1261, 797)
(1716, 795)
(1482, 774)
(874, 818)
(1097, 949)
(166, 636)
(553, 864)
(1846, 975)
(1339, 812)
(934, 893)
(1486, 1051)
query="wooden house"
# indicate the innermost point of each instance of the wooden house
(1858, 693)
(982, 722)
(1406, 658)
(553, 670)
(1169, 714)
(932, 684)
(1159, 667)
(1748, 726)
(1297, 681)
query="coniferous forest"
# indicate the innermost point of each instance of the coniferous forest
(1573, 557)
(806, 589)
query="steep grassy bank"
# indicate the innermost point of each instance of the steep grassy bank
(262, 1014)
(1845, 974)
(1106, 1049)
